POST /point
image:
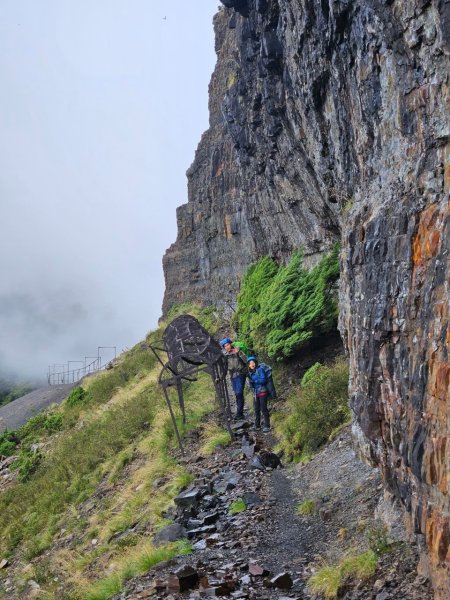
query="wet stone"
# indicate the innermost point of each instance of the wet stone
(171, 533)
(237, 425)
(187, 498)
(257, 570)
(184, 578)
(209, 518)
(270, 460)
(251, 499)
(282, 581)
(200, 531)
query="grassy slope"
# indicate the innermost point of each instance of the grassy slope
(95, 481)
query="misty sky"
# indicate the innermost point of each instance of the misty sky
(102, 104)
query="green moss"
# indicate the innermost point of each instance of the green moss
(237, 506)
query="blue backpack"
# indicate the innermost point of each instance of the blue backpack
(269, 383)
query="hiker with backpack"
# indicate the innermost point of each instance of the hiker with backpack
(260, 380)
(237, 369)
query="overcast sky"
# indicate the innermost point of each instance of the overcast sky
(102, 104)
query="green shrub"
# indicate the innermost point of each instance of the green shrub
(8, 443)
(378, 540)
(27, 463)
(281, 308)
(317, 407)
(45, 422)
(76, 396)
(254, 283)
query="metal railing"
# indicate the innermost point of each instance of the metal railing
(63, 373)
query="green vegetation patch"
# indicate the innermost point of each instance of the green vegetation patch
(281, 308)
(237, 506)
(139, 564)
(12, 391)
(213, 437)
(314, 410)
(68, 474)
(329, 579)
(306, 508)
(8, 443)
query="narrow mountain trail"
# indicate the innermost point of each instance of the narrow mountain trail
(268, 550)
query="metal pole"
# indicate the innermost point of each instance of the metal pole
(174, 421)
(181, 399)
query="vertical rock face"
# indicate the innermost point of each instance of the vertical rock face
(253, 189)
(327, 118)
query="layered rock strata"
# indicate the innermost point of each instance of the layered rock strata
(332, 117)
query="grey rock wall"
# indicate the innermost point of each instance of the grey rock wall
(330, 119)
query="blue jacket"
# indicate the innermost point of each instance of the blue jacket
(257, 380)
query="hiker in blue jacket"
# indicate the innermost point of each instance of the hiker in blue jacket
(258, 382)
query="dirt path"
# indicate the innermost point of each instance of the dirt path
(17, 412)
(269, 551)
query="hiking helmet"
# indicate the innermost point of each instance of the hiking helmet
(225, 341)
(253, 358)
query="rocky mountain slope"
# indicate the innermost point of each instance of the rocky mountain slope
(330, 119)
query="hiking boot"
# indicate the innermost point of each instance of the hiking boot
(266, 429)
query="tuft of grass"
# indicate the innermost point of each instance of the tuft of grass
(314, 410)
(214, 436)
(237, 506)
(306, 508)
(378, 540)
(106, 588)
(329, 579)
(326, 581)
(360, 566)
(139, 563)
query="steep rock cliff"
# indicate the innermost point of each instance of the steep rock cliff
(332, 117)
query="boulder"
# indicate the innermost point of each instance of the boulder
(170, 533)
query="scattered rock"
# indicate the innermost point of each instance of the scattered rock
(251, 499)
(184, 578)
(257, 570)
(170, 533)
(187, 498)
(270, 460)
(283, 581)
(4, 563)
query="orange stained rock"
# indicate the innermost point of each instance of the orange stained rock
(438, 538)
(439, 379)
(227, 226)
(427, 239)
(437, 463)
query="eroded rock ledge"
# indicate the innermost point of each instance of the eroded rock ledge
(328, 118)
